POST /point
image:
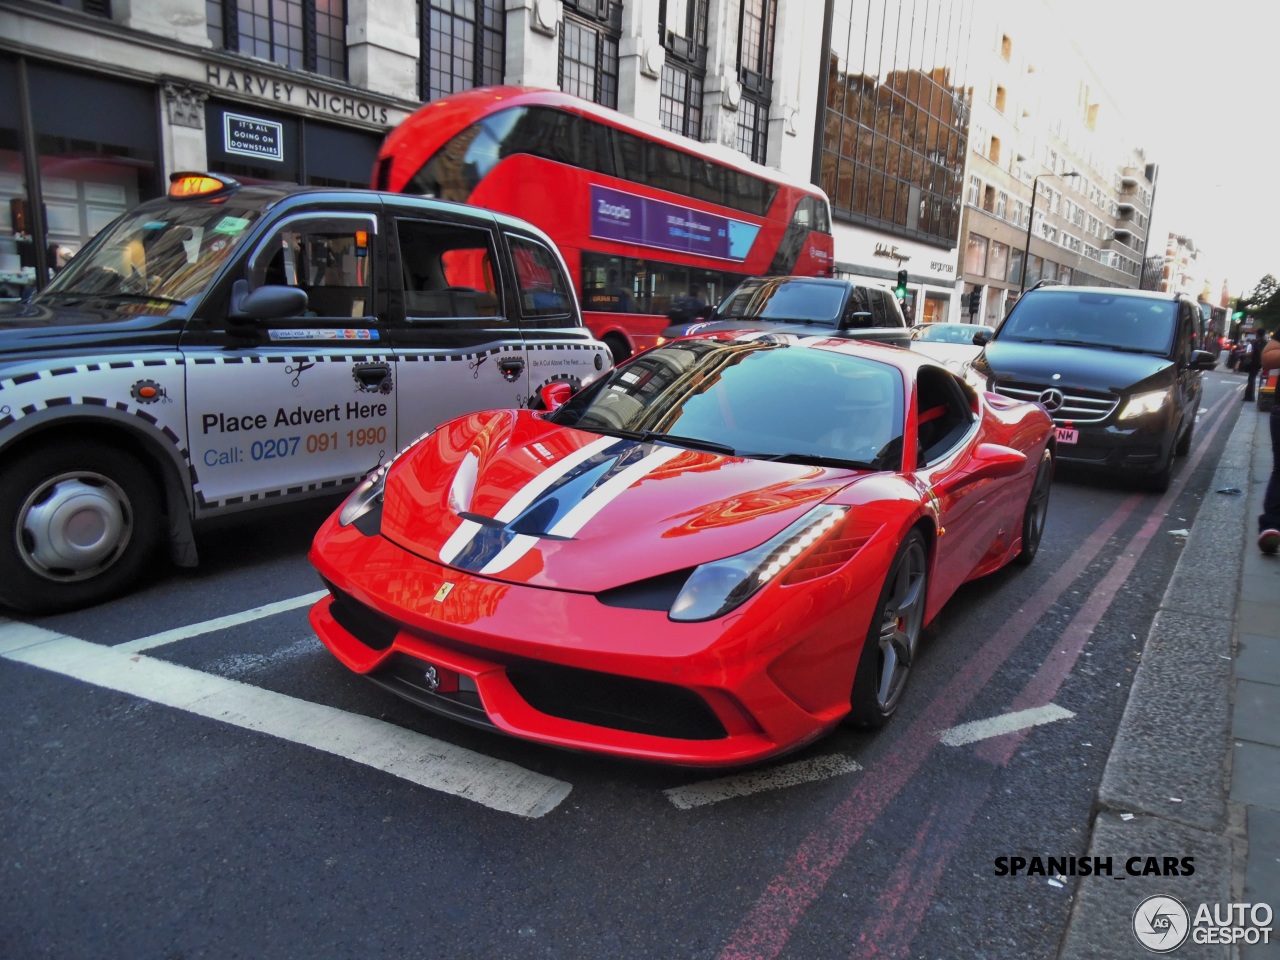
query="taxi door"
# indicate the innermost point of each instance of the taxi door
(459, 343)
(287, 408)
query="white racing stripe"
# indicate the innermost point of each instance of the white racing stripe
(383, 746)
(599, 498)
(1005, 723)
(219, 623)
(757, 781)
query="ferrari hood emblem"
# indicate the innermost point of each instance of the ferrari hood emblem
(445, 589)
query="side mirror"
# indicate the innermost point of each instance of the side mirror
(554, 395)
(266, 303)
(1203, 360)
(981, 338)
(860, 318)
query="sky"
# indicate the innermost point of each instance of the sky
(1200, 85)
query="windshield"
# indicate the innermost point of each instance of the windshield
(785, 300)
(754, 399)
(950, 332)
(157, 256)
(1097, 319)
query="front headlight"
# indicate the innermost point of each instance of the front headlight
(717, 587)
(1140, 404)
(367, 496)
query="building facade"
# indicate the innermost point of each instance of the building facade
(1054, 188)
(112, 96)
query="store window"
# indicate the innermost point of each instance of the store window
(975, 256)
(998, 265)
(301, 34)
(93, 165)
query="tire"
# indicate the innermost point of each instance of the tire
(618, 347)
(893, 637)
(1158, 482)
(1037, 510)
(79, 523)
(1183, 446)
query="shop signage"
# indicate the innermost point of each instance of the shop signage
(625, 217)
(266, 89)
(939, 267)
(892, 252)
(251, 137)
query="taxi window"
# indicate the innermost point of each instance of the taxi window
(448, 272)
(543, 287)
(329, 257)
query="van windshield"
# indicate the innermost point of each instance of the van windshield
(1096, 319)
(158, 255)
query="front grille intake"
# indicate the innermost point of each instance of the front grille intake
(1078, 406)
(619, 703)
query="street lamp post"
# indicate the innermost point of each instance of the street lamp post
(1026, 254)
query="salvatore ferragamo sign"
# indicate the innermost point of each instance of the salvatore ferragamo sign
(891, 252)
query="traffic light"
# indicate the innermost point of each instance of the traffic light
(900, 291)
(1237, 315)
(975, 299)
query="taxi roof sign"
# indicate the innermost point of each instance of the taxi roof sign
(198, 184)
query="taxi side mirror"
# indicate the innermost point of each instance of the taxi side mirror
(270, 302)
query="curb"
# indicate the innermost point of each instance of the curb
(1165, 786)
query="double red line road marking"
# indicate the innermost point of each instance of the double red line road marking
(767, 927)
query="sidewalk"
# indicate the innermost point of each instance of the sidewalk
(1195, 769)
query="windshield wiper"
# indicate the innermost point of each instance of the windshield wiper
(653, 436)
(118, 295)
(813, 458)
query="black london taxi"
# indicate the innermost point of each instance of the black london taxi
(233, 347)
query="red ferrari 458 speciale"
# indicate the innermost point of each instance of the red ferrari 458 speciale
(708, 557)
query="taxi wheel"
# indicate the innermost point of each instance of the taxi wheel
(893, 638)
(79, 524)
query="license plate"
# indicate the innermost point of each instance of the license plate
(1067, 435)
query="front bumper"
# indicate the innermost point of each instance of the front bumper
(564, 669)
(1144, 446)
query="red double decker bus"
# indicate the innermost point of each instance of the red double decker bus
(642, 217)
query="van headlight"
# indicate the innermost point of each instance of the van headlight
(1141, 404)
(717, 587)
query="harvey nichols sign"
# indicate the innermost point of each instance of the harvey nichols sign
(288, 93)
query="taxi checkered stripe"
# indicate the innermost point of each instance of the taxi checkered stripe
(22, 379)
(281, 492)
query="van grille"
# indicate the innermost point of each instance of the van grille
(1078, 406)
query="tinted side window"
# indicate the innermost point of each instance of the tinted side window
(542, 285)
(858, 309)
(448, 270)
(879, 309)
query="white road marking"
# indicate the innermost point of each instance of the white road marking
(383, 746)
(220, 623)
(757, 781)
(1005, 723)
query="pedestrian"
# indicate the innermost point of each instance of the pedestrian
(688, 308)
(1252, 363)
(1269, 519)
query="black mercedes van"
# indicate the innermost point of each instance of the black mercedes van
(1118, 370)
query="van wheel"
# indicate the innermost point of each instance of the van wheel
(79, 524)
(1184, 441)
(1158, 482)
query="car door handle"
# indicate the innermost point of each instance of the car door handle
(373, 377)
(511, 368)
